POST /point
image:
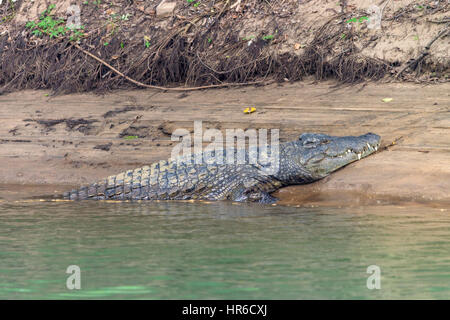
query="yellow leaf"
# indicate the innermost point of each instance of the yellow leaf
(249, 110)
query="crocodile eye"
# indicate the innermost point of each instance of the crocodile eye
(309, 142)
(315, 142)
(309, 139)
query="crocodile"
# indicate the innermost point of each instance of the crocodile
(309, 158)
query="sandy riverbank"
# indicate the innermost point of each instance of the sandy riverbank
(50, 144)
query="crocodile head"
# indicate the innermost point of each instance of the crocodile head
(322, 154)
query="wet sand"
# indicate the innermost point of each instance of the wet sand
(51, 144)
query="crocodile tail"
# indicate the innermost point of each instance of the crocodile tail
(71, 195)
(76, 194)
(127, 185)
(95, 191)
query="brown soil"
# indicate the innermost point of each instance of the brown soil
(215, 42)
(59, 142)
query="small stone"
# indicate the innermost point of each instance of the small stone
(165, 9)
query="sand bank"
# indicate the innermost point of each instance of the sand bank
(55, 143)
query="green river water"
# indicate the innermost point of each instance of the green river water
(175, 250)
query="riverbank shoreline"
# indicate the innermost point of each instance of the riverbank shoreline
(60, 142)
(290, 197)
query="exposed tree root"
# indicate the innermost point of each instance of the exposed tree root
(140, 84)
(182, 56)
(415, 62)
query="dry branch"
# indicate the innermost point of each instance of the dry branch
(140, 84)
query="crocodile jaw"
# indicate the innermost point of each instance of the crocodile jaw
(332, 153)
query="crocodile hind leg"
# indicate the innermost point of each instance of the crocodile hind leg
(243, 194)
(267, 198)
(260, 196)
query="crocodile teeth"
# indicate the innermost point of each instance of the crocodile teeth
(359, 156)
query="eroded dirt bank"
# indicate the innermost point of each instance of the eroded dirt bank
(215, 42)
(50, 144)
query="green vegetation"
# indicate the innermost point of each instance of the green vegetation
(270, 36)
(47, 25)
(130, 137)
(196, 4)
(147, 41)
(361, 19)
(114, 20)
(77, 35)
(125, 17)
(265, 38)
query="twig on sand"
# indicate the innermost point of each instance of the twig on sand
(382, 9)
(237, 4)
(426, 52)
(343, 4)
(446, 20)
(390, 145)
(221, 85)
